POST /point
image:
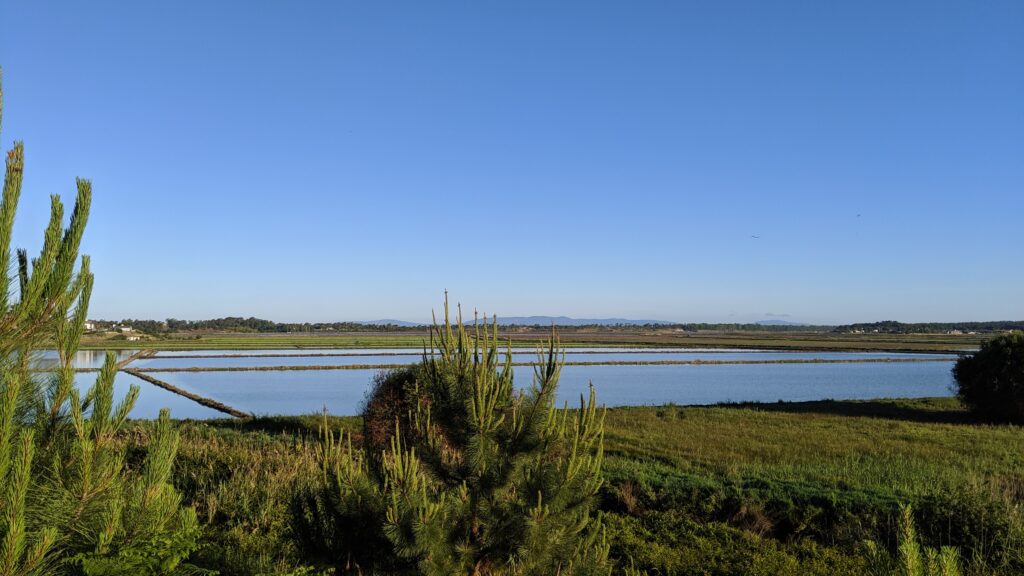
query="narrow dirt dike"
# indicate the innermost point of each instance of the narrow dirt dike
(208, 402)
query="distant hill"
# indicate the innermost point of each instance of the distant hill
(566, 321)
(391, 322)
(537, 321)
(778, 323)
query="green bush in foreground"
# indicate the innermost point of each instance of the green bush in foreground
(69, 504)
(476, 478)
(991, 381)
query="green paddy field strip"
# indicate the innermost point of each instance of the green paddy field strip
(327, 367)
(811, 341)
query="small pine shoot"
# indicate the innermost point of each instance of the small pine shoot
(914, 559)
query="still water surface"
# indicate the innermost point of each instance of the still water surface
(343, 391)
(370, 357)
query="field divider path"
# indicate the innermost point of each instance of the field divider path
(202, 400)
(328, 367)
(140, 355)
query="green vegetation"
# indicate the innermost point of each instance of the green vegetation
(72, 500)
(802, 488)
(239, 325)
(992, 380)
(461, 474)
(256, 342)
(810, 473)
(893, 327)
(918, 560)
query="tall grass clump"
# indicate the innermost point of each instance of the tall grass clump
(70, 503)
(469, 476)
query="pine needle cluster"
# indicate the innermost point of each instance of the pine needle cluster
(70, 503)
(912, 558)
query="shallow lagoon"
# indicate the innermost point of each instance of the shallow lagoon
(151, 398)
(371, 357)
(343, 391)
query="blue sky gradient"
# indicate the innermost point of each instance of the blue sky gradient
(343, 160)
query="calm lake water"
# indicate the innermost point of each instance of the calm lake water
(376, 357)
(342, 392)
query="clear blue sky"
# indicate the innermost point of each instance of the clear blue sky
(351, 160)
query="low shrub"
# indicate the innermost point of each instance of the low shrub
(991, 381)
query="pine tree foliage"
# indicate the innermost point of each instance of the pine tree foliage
(476, 478)
(69, 502)
(912, 557)
(917, 560)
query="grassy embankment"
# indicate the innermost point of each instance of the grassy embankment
(416, 339)
(729, 490)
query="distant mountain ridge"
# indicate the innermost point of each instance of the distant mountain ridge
(390, 322)
(778, 323)
(538, 321)
(566, 321)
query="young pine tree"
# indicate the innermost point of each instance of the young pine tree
(69, 504)
(912, 558)
(917, 560)
(462, 474)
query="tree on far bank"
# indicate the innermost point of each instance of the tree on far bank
(991, 381)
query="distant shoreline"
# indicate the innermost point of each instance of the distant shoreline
(635, 338)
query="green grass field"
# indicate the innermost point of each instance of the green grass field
(569, 337)
(727, 490)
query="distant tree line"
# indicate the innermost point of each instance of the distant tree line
(750, 327)
(894, 327)
(260, 325)
(239, 324)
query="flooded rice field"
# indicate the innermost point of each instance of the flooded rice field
(337, 380)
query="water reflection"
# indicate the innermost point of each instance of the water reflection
(44, 359)
(342, 392)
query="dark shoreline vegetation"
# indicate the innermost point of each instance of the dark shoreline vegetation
(238, 324)
(780, 488)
